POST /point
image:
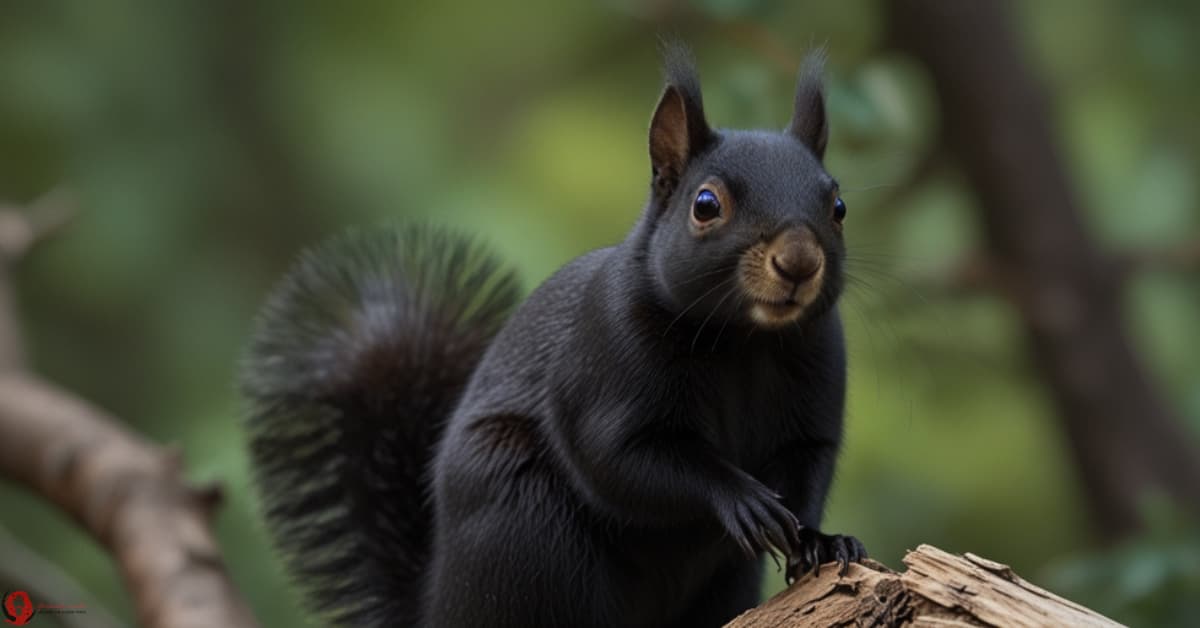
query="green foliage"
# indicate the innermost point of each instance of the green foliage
(1149, 581)
(207, 143)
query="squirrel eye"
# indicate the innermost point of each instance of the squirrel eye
(706, 207)
(839, 209)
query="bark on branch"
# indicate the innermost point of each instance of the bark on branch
(129, 495)
(125, 491)
(939, 589)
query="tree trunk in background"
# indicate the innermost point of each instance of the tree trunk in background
(1124, 437)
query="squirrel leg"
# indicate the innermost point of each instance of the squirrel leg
(671, 480)
(802, 472)
(513, 544)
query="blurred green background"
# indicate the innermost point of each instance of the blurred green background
(205, 143)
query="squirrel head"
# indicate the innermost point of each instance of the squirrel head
(743, 226)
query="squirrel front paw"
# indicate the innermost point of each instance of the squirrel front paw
(758, 522)
(816, 548)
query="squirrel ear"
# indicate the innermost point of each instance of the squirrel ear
(678, 130)
(809, 124)
(669, 141)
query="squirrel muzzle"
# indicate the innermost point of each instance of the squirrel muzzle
(781, 277)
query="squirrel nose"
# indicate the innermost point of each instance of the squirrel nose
(797, 256)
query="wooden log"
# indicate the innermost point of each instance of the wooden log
(938, 590)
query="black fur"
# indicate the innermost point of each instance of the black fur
(809, 123)
(628, 447)
(679, 70)
(359, 356)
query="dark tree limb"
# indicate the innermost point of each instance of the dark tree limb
(1179, 257)
(1125, 438)
(20, 228)
(125, 491)
(976, 271)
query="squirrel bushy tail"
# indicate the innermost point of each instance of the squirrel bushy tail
(359, 357)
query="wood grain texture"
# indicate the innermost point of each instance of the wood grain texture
(939, 590)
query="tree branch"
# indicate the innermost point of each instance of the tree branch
(978, 271)
(125, 491)
(128, 494)
(1125, 437)
(21, 228)
(1179, 257)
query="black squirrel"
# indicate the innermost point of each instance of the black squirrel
(620, 451)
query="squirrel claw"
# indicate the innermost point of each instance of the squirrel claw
(817, 548)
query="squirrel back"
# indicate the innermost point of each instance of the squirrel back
(358, 358)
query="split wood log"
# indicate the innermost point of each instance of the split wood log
(939, 589)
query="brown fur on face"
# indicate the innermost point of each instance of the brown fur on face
(782, 277)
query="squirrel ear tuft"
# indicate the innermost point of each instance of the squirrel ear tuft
(678, 130)
(809, 123)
